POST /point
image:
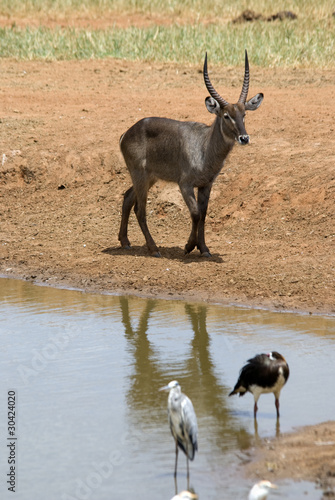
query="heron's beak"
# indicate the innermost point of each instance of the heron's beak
(165, 388)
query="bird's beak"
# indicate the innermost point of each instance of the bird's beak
(165, 388)
(274, 486)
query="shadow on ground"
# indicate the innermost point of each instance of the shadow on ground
(171, 253)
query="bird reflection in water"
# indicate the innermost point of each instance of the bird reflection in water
(277, 429)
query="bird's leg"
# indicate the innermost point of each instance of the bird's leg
(256, 428)
(175, 467)
(175, 486)
(188, 474)
(255, 409)
(277, 406)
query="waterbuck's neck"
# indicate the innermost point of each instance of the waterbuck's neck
(218, 147)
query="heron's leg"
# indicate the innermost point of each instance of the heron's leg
(175, 467)
(188, 474)
(176, 486)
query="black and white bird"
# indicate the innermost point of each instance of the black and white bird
(260, 490)
(183, 422)
(263, 374)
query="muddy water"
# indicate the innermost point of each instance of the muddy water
(90, 422)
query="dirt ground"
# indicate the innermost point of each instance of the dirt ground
(308, 454)
(270, 224)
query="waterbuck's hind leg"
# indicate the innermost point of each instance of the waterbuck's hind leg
(128, 203)
(141, 186)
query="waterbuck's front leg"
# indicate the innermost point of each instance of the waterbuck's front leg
(192, 204)
(203, 198)
(198, 211)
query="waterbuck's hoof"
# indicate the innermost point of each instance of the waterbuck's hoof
(206, 254)
(126, 247)
(188, 250)
(156, 254)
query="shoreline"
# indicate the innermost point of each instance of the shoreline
(68, 283)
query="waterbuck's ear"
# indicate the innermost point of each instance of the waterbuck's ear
(212, 105)
(254, 102)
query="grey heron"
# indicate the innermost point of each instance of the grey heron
(263, 374)
(260, 490)
(183, 422)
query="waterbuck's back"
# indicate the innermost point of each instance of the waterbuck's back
(164, 148)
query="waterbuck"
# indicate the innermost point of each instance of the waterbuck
(190, 154)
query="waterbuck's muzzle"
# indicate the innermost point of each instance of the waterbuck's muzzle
(243, 139)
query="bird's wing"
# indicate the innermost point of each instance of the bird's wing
(260, 371)
(190, 425)
(259, 359)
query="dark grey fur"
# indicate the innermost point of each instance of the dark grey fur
(190, 154)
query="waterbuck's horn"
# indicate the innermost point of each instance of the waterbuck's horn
(211, 89)
(245, 86)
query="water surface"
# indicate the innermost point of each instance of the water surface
(91, 423)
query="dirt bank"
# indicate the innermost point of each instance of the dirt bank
(270, 223)
(308, 454)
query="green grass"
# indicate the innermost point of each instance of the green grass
(308, 41)
(286, 44)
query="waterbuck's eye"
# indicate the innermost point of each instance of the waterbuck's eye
(226, 116)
